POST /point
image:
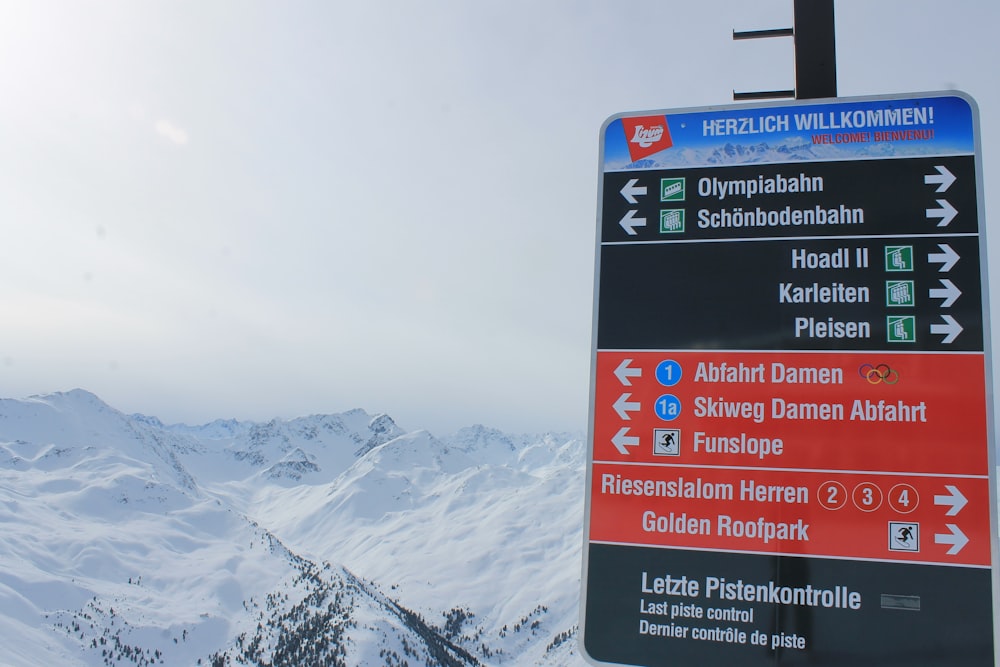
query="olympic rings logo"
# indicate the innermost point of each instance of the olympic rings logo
(880, 374)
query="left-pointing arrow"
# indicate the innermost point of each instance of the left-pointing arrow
(630, 222)
(946, 212)
(949, 293)
(623, 406)
(956, 538)
(622, 440)
(624, 372)
(951, 328)
(631, 190)
(955, 500)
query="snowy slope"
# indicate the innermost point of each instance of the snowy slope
(476, 519)
(336, 538)
(102, 550)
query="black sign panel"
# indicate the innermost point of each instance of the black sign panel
(704, 608)
(731, 296)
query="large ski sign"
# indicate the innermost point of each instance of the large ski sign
(791, 447)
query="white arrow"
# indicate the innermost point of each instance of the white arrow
(623, 406)
(948, 258)
(956, 539)
(950, 329)
(630, 222)
(943, 179)
(950, 293)
(624, 372)
(955, 500)
(947, 212)
(622, 439)
(631, 190)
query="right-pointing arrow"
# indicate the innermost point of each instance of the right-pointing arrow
(630, 222)
(951, 328)
(955, 500)
(956, 539)
(947, 258)
(622, 440)
(623, 406)
(947, 212)
(942, 179)
(949, 293)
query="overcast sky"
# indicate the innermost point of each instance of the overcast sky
(271, 209)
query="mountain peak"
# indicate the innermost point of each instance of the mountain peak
(73, 397)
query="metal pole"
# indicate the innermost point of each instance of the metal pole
(815, 50)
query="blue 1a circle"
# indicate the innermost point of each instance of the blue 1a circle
(668, 407)
(668, 372)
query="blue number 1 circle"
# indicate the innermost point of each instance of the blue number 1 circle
(668, 407)
(668, 372)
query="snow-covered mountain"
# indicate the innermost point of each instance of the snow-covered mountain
(789, 149)
(323, 540)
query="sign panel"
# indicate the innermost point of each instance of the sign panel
(791, 456)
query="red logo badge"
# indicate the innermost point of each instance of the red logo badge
(646, 135)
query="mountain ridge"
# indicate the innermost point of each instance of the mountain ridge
(136, 542)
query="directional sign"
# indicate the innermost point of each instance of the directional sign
(791, 460)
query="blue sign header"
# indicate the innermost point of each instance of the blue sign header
(878, 128)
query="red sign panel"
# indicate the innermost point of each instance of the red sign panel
(844, 411)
